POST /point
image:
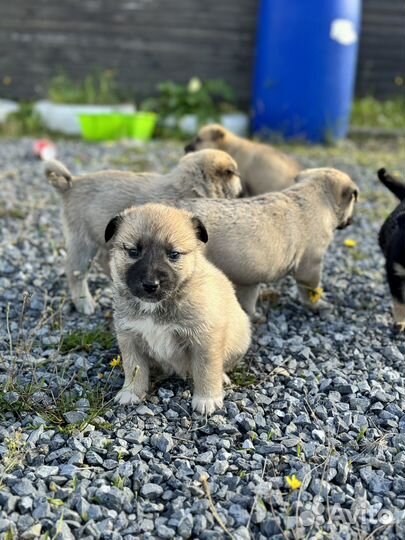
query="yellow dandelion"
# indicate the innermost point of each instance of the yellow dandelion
(293, 482)
(7, 80)
(115, 362)
(350, 243)
(315, 295)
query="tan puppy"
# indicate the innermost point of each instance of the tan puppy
(262, 167)
(91, 200)
(171, 306)
(260, 240)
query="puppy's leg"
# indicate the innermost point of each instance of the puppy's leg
(308, 278)
(80, 252)
(396, 282)
(207, 369)
(136, 370)
(103, 260)
(247, 296)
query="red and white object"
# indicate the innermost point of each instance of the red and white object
(44, 149)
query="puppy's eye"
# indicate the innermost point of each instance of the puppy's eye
(231, 172)
(198, 139)
(173, 256)
(134, 252)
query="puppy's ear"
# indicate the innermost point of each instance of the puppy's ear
(112, 227)
(217, 134)
(200, 230)
(349, 193)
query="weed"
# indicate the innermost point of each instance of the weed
(23, 122)
(16, 450)
(362, 434)
(241, 377)
(82, 340)
(119, 482)
(370, 112)
(12, 213)
(99, 88)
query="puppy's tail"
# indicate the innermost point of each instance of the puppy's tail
(58, 175)
(396, 187)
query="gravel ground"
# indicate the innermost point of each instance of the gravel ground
(319, 397)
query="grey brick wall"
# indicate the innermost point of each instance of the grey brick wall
(148, 41)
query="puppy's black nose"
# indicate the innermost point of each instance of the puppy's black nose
(150, 286)
(189, 148)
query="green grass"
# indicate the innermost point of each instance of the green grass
(82, 340)
(369, 112)
(243, 378)
(12, 213)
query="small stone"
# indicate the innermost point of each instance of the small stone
(239, 514)
(5, 525)
(63, 531)
(342, 470)
(151, 491)
(75, 417)
(205, 458)
(165, 532)
(32, 533)
(45, 471)
(42, 509)
(23, 487)
(319, 434)
(247, 444)
(185, 526)
(11, 397)
(143, 410)
(68, 470)
(110, 497)
(162, 441)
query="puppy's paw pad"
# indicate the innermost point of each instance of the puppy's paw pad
(85, 306)
(226, 380)
(207, 405)
(126, 397)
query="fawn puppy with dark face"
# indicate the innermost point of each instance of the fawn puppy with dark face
(91, 200)
(172, 308)
(262, 239)
(392, 243)
(262, 167)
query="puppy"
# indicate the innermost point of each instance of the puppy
(261, 239)
(91, 200)
(392, 243)
(262, 167)
(171, 306)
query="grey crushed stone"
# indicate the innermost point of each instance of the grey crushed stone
(326, 400)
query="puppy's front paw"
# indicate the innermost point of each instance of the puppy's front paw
(127, 397)
(85, 305)
(207, 405)
(226, 380)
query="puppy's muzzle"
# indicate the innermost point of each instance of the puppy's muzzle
(348, 222)
(189, 148)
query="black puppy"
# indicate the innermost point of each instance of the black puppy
(392, 242)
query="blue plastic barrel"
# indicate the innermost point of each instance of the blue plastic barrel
(305, 68)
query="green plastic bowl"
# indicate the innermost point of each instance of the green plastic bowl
(141, 125)
(103, 127)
